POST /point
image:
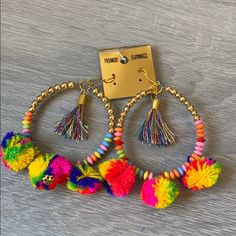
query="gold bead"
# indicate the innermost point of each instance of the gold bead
(129, 104)
(64, 85)
(32, 109)
(182, 99)
(107, 105)
(44, 94)
(143, 93)
(123, 114)
(100, 95)
(126, 109)
(110, 111)
(134, 100)
(111, 117)
(71, 84)
(57, 87)
(187, 103)
(40, 98)
(51, 90)
(173, 91)
(111, 130)
(119, 124)
(168, 88)
(190, 108)
(138, 96)
(121, 119)
(104, 99)
(194, 113)
(95, 91)
(111, 123)
(197, 117)
(178, 95)
(35, 103)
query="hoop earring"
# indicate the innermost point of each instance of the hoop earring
(159, 190)
(46, 171)
(72, 125)
(154, 130)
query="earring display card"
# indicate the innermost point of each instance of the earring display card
(120, 70)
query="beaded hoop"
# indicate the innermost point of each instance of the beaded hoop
(48, 170)
(196, 173)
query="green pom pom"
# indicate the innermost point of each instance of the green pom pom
(17, 151)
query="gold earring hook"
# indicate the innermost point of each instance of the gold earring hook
(156, 86)
(119, 53)
(85, 85)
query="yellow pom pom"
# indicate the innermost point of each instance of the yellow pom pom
(38, 167)
(201, 173)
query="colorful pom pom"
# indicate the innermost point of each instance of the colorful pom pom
(17, 151)
(201, 173)
(49, 170)
(119, 176)
(84, 179)
(159, 192)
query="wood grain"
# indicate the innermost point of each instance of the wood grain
(194, 46)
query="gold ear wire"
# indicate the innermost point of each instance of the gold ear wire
(119, 53)
(156, 86)
(85, 85)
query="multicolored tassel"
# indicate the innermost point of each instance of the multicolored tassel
(154, 130)
(72, 125)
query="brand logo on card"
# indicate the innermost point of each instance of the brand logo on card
(133, 57)
(139, 56)
(111, 60)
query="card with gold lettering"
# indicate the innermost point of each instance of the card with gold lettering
(120, 69)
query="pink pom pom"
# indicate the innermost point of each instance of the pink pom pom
(148, 193)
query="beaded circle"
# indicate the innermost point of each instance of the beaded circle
(48, 170)
(196, 173)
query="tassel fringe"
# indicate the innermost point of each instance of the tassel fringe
(155, 131)
(72, 126)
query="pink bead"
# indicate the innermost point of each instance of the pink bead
(199, 148)
(104, 148)
(26, 131)
(201, 144)
(198, 122)
(118, 134)
(184, 168)
(191, 159)
(78, 162)
(90, 160)
(150, 176)
(198, 153)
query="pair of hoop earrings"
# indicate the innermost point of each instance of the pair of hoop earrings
(117, 175)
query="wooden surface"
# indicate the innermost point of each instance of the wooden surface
(194, 47)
